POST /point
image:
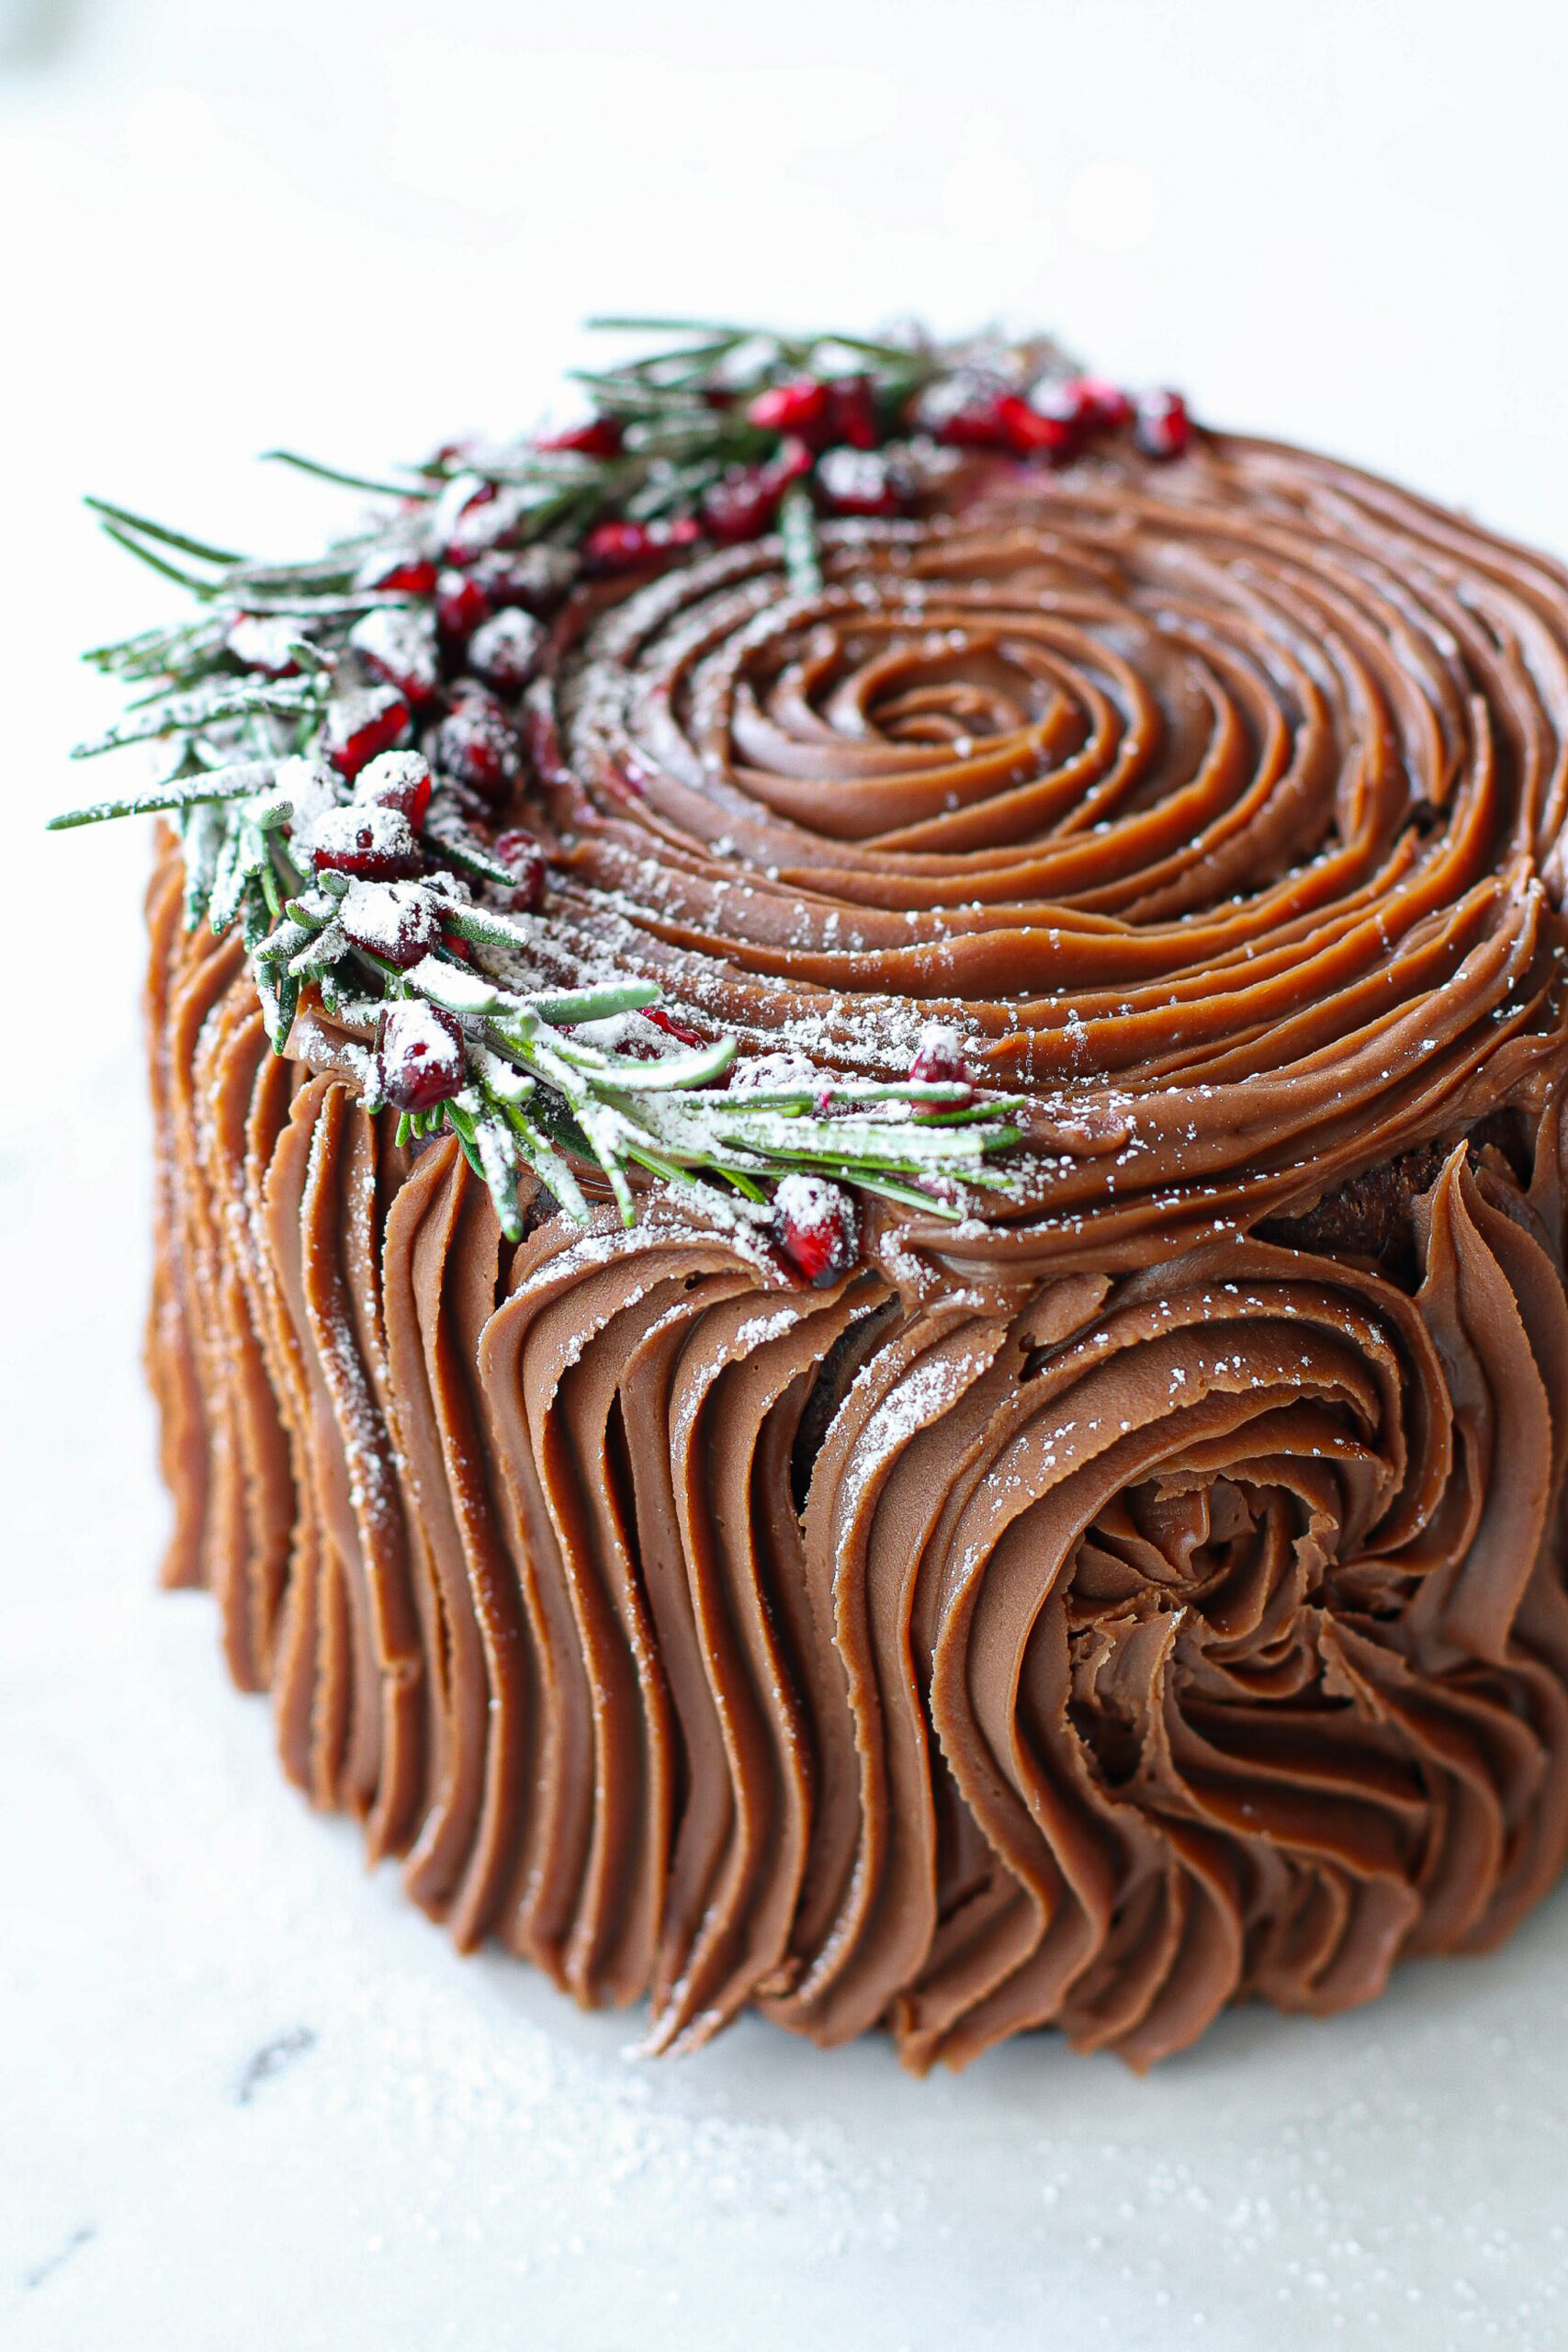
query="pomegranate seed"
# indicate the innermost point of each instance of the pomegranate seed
(600, 438)
(536, 578)
(973, 423)
(798, 407)
(399, 780)
(742, 505)
(522, 853)
(475, 745)
(858, 481)
(1031, 431)
(261, 641)
(377, 844)
(851, 411)
(672, 1028)
(418, 1055)
(396, 921)
(360, 725)
(404, 575)
(1164, 427)
(626, 547)
(816, 1229)
(505, 649)
(940, 1059)
(1099, 401)
(461, 604)
(400, 648)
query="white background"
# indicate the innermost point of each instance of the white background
(356, 228)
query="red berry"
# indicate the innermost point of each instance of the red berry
(1101, 402)
(1031, 431)
(418, 1055)
(505, 649)
(940, 1059)
(399, 780)
(975, 423)
(626, 547)
(264, 642)
(673, 1028)
(395, 921)
(461, 604)
(403, 575)
(401, 648)
(536, 577)
(741, 505)
(1164, 427)
(851, 411)
(456, 944)
(600, 438)
(798, 407)
(859, 482)
(816, 1229)
(522, 853)
(476, 743)
(744, 503)
(377, 844)
(359, 724)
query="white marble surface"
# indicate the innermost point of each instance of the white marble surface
(248, 2097)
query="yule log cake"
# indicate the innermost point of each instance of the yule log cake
(859, 1294)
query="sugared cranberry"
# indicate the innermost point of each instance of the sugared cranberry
(816, 1229)
(399, 575)
(522, 853)
(679, 1030)
(461, 604)
(360, 725)
(600, 438)
(626, 547)
(1164, 427)
(477, 744)
(419, 1056)
(1099, 401)
(399, 780)
(940, 1059)
(859, 482)
(395, 921)
(800, 407)
(851, 412)
(456, 944)
(401, 648)
(505, 651)
(264, 643)
(377, 844)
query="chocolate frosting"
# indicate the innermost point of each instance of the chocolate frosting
(1145, 1593)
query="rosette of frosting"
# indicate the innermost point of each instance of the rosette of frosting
(1145, 1593)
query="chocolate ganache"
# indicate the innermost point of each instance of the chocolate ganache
(1144, 1592)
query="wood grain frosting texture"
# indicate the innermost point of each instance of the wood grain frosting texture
(1146, 1593)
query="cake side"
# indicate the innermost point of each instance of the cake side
(1091, 1657)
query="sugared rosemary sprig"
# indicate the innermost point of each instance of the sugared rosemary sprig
(285, 663)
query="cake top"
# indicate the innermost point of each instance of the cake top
(888, 779)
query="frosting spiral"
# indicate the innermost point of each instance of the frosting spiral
(1142, 1595)
(1218, 806)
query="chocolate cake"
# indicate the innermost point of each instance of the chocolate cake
(860, 1292)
